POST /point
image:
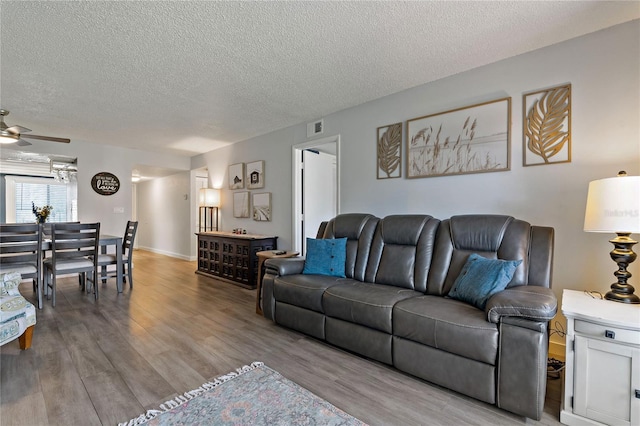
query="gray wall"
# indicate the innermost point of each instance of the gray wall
(604, 71)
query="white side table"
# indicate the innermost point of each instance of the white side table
(602, 370)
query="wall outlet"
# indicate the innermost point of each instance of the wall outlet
(118, 209)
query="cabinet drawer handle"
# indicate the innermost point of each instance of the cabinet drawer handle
(609, 334)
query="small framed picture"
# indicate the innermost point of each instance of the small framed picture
(241, 204)
(255, 175)
(262, 206)
(236, 176)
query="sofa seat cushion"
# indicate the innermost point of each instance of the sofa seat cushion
(366, 304)
(448, 325)
(303, 291)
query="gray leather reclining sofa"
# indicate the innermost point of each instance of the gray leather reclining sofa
(393, 306)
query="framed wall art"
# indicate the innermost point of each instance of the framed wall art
(389, 151)
(236, 176)
(472, 139)
(546, 126)
(255, 175)
(241, 204)
(262, 206)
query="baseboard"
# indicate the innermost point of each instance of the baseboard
(167, 253)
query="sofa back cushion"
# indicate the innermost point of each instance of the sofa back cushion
(358, 229)
(491, 236)
(402, 250)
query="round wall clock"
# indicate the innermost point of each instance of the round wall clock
(105, 183)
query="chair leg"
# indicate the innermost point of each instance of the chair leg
(95, 284)
(39, 284)
(53, 290)
(45, 285)
(130, 273)
(25, 338)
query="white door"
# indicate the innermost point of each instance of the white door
(316, 187)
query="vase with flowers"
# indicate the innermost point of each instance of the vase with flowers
(41, 213)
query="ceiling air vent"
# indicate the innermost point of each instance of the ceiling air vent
(315, 128)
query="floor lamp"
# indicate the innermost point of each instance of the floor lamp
(209, 201)
(613, 206)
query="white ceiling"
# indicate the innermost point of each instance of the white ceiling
(187, 77)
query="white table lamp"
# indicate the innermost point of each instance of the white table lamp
(613, 205)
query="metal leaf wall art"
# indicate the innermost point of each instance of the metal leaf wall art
(389, 151)
(547, 126)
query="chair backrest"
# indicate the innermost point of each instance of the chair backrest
(21, 243)
(129, 238)
(46, 228)
(74, 241)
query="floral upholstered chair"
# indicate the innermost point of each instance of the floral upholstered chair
(17, 315)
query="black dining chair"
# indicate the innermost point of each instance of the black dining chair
(74, 249)
(21, 251)
(104, 260)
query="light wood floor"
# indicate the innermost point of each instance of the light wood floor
(102, 363)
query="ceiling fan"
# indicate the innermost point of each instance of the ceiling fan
(14, 134)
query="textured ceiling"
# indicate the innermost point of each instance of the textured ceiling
(187, 77)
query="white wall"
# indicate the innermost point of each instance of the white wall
(165, 224)
(604, 71)
(93, 158)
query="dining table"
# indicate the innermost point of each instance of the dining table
(104, 242)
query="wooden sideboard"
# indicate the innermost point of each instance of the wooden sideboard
(232, 257)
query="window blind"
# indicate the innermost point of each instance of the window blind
(42, 192)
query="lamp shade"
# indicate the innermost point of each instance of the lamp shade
(209, 197)
(613, 205)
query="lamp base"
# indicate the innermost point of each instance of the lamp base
(622, 297)
(623, 255)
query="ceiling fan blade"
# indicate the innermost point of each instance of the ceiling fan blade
(17, 129)
(22, 142)
(47, 138)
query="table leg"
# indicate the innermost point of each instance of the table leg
(119, 267)
(103, 269)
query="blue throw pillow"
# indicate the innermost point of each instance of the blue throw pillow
(481, 278)
(326, 257)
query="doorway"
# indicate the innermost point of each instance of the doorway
(316, 183)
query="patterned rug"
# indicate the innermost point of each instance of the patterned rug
(253, 395)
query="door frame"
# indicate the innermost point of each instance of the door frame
(296, 151)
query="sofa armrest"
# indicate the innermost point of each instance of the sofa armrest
(284, 266)
(528, 302)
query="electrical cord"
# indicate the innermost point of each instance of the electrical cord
(558, 329)
(594, 294)
(555, 366)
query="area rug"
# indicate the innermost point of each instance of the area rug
(252, 395)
